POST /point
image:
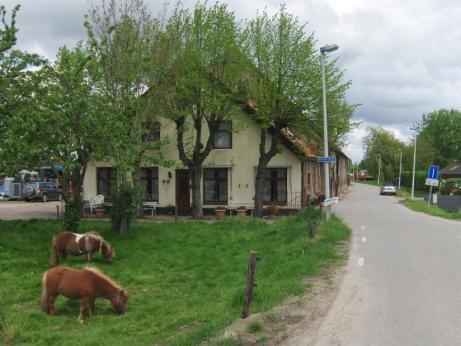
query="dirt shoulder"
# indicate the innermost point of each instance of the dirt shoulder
(300, 315)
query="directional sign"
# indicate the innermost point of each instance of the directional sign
(330, 201)
(432, 182)
(433, 172)
(326, 159)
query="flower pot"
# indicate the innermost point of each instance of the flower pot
(220, 213)
(241, 212)
(99, 212)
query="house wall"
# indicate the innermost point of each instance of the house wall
(241, 162)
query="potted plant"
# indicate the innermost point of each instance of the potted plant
(99, 211)
(241, 211)
(220, 211)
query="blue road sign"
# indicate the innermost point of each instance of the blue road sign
(326, 159)
(433, 172)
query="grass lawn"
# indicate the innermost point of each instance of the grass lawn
(186, 280)
(421, 206)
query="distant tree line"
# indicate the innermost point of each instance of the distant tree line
(101, 99)
(438, 141)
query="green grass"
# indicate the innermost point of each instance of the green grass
(186, 280)
(421, 206)
(254, 327)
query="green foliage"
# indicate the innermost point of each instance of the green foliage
(254, 327)
(16, 90)
(420, 180)
(72, 214)
(205, 264)
(381, 142)
(442, 130)
(125, 198)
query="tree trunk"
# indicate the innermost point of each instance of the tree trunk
(264, 158)
(196, 178)
(259, 191)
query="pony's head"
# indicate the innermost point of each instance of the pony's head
(119, 301)
(108, 252)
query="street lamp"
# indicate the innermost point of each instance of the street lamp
(326, 49)
(379, 167)
(414, 164)
(400, 166)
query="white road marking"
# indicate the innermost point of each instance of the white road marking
(362, 227)
(360, 261)
(364, 239)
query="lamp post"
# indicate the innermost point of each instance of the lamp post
(400, 166)
(414, 168)
(323, 50)
(379, 168)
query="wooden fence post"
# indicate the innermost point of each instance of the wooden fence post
(57, 212)
(250, 284)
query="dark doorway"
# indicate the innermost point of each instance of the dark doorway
(182, 191)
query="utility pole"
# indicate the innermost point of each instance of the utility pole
(379, 168)
(326, 49)
(414, 168)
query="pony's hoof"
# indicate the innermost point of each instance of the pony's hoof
(80, 320)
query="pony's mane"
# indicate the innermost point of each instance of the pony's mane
(95, 235)
(104, 276)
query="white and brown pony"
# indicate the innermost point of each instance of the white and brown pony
(86, 285)
(68, 243)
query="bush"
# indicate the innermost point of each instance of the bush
(72, 213)
(420, 180)
(124, 207)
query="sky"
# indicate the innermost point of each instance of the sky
(403, 57)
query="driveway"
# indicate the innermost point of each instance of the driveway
(18, 210)
(403, 280)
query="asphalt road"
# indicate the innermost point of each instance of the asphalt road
(15, 210)
(403, 279)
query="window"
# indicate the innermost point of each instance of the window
(275, 185)
(107, 179)
(149, 181)
(215, 185)
(152, 132)
(222, 138)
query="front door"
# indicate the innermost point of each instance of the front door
(182, 191)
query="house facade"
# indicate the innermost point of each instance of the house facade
(228, 176)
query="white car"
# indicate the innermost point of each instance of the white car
(388, 189)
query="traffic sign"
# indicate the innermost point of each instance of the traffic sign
(330, 201)
(326, 159)
(432, 182)
(433, 172)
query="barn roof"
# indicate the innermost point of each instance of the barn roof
(451, 171)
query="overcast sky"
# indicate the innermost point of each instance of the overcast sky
(403, 57)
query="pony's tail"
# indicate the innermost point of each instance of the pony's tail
(54, 253)
(43, 300)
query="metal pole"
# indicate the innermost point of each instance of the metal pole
(414, 166)
(379, 168)
(325, 140)
(429, 199)
(400, 167)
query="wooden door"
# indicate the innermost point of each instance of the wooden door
(182, 191)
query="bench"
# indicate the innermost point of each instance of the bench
(151, 207)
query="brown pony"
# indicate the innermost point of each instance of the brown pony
(66, 243)
(86, 285)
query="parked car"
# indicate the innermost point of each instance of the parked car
(388, 189)
(42, 191)
(3, 195)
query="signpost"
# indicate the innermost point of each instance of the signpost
(330, 201)
(324, 159)
(432, 180)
